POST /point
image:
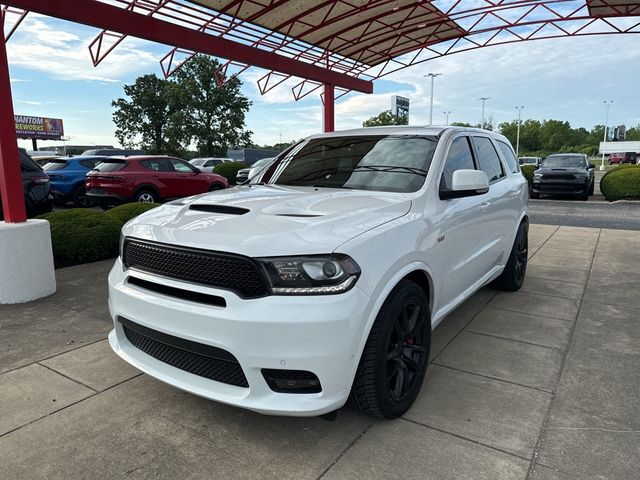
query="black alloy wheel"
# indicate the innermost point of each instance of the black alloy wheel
(394, 360)
(406, 353)
(512, 276)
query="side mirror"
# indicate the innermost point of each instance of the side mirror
(466, 183)
(592, 165)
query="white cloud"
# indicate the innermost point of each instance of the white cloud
(63, 54)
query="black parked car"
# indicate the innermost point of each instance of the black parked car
(36, 186)
(564, 174)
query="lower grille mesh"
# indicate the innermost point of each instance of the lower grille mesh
(224, 371)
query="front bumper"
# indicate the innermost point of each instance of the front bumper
(319, 334)
(547, 187)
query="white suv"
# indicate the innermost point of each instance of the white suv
(321, 283)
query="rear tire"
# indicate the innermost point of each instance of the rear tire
(395, 357)
(145, 196)
(80, 198)
(512, 276)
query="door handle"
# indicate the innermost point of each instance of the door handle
(484, 205)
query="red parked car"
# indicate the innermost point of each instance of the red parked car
(147, 179)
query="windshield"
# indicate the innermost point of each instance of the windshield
(382, 163)
(564, 161)
(111, 166)
(262, 162)
(54, 165)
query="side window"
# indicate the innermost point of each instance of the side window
(180, 166)
(90, 164)
(509, 156)
(157, 165)
(458, 158)
(488, 159)
(209, 163)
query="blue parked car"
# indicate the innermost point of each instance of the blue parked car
(68, 176)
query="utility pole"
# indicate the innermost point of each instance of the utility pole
(606, 126)
(432, 75)
(519, 109)
(446, 116)
(484, 99)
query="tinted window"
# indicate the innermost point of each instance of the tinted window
(55, 165)
(383, 163)
(157, 165)
(458, 158)
(111, 166)
(509, 156)
(212, 163)
(26, 162)
(90, 164)
(488, 159)
(181, 166)
(564, 161)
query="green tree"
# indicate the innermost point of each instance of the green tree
(150, 118)
(633, 134)
(460, 124)
(214, 117)
(385, 118)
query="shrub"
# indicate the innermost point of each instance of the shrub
(124, 213)
(82, 235)
(527, 171)
(229, 170)
(621, 182)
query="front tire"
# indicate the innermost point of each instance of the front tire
(395, 357)
(512, 276)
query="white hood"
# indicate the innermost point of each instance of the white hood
(270, 220)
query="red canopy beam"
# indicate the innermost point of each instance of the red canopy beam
(101, 15)
(10, 176)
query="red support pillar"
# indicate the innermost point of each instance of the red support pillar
(10, 176)
(329, 108)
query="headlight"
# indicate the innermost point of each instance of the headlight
(311, 275)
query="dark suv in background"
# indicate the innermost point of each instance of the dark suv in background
(35, 185)
(564, 174)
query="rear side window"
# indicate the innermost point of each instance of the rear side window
(509, 156)
(55, 165)
(458, 158)
(111, 166)
(90, 164)
(488, 159)
(157, 165)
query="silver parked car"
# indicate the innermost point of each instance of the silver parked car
(207, 164)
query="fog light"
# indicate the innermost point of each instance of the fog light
(291, 381)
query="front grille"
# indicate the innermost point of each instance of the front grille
(196, 358)
(231, 272)
(558, 176)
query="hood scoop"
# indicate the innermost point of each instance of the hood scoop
(224, 209)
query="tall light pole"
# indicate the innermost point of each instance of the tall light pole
(432, 75)
(519, 109)
(484, 99)
(446, 116)
(606, 127)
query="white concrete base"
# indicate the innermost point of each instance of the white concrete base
(26, 261)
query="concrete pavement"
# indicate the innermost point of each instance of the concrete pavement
(541, 384)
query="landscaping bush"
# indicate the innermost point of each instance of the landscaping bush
(527, 171)
(229, 170)
(82, 235)
(621, 182)
(124, 213)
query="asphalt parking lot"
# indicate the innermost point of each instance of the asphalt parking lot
(541, 384)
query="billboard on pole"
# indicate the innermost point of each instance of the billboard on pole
(38, 127)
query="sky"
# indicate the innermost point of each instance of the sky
(566, 79)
